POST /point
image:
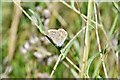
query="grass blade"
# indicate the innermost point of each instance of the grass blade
(113, 26)
(95, 73)
(72, 4)
(90, 61)
(87, 39)
(40, 27)
(65, 50)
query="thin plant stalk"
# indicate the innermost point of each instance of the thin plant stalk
(75, 74)
(98, 42)
(58, 60)
(72, 64)
(107, 37)
(26, 13)
(78, 12)
(56, 64)
(65, 50)
(87, 40)
(85, 17)
(13, 32)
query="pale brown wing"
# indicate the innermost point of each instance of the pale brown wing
(57, 36)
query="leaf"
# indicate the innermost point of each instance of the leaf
(95, 73)
(113, 26)
(90, 61)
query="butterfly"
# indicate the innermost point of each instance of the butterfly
(57, 36)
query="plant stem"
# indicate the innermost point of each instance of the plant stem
(87, 40)
(26, 13)
(72, 64)
(13, 32)
(98, 42)
(58, 60)
(85, 17)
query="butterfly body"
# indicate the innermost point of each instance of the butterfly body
(57, 36)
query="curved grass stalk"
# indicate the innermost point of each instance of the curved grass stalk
(90, 61)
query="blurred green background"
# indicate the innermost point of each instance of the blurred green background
(34, 56)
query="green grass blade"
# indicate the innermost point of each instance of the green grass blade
(116, 6)
(40, 25)
(95, 73)
(65, 50)
(113, 26)
(90, 61)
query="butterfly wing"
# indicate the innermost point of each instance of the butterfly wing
(57, 36)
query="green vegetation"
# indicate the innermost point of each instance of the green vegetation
(91, 49)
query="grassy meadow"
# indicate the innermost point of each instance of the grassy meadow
(60, 39)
